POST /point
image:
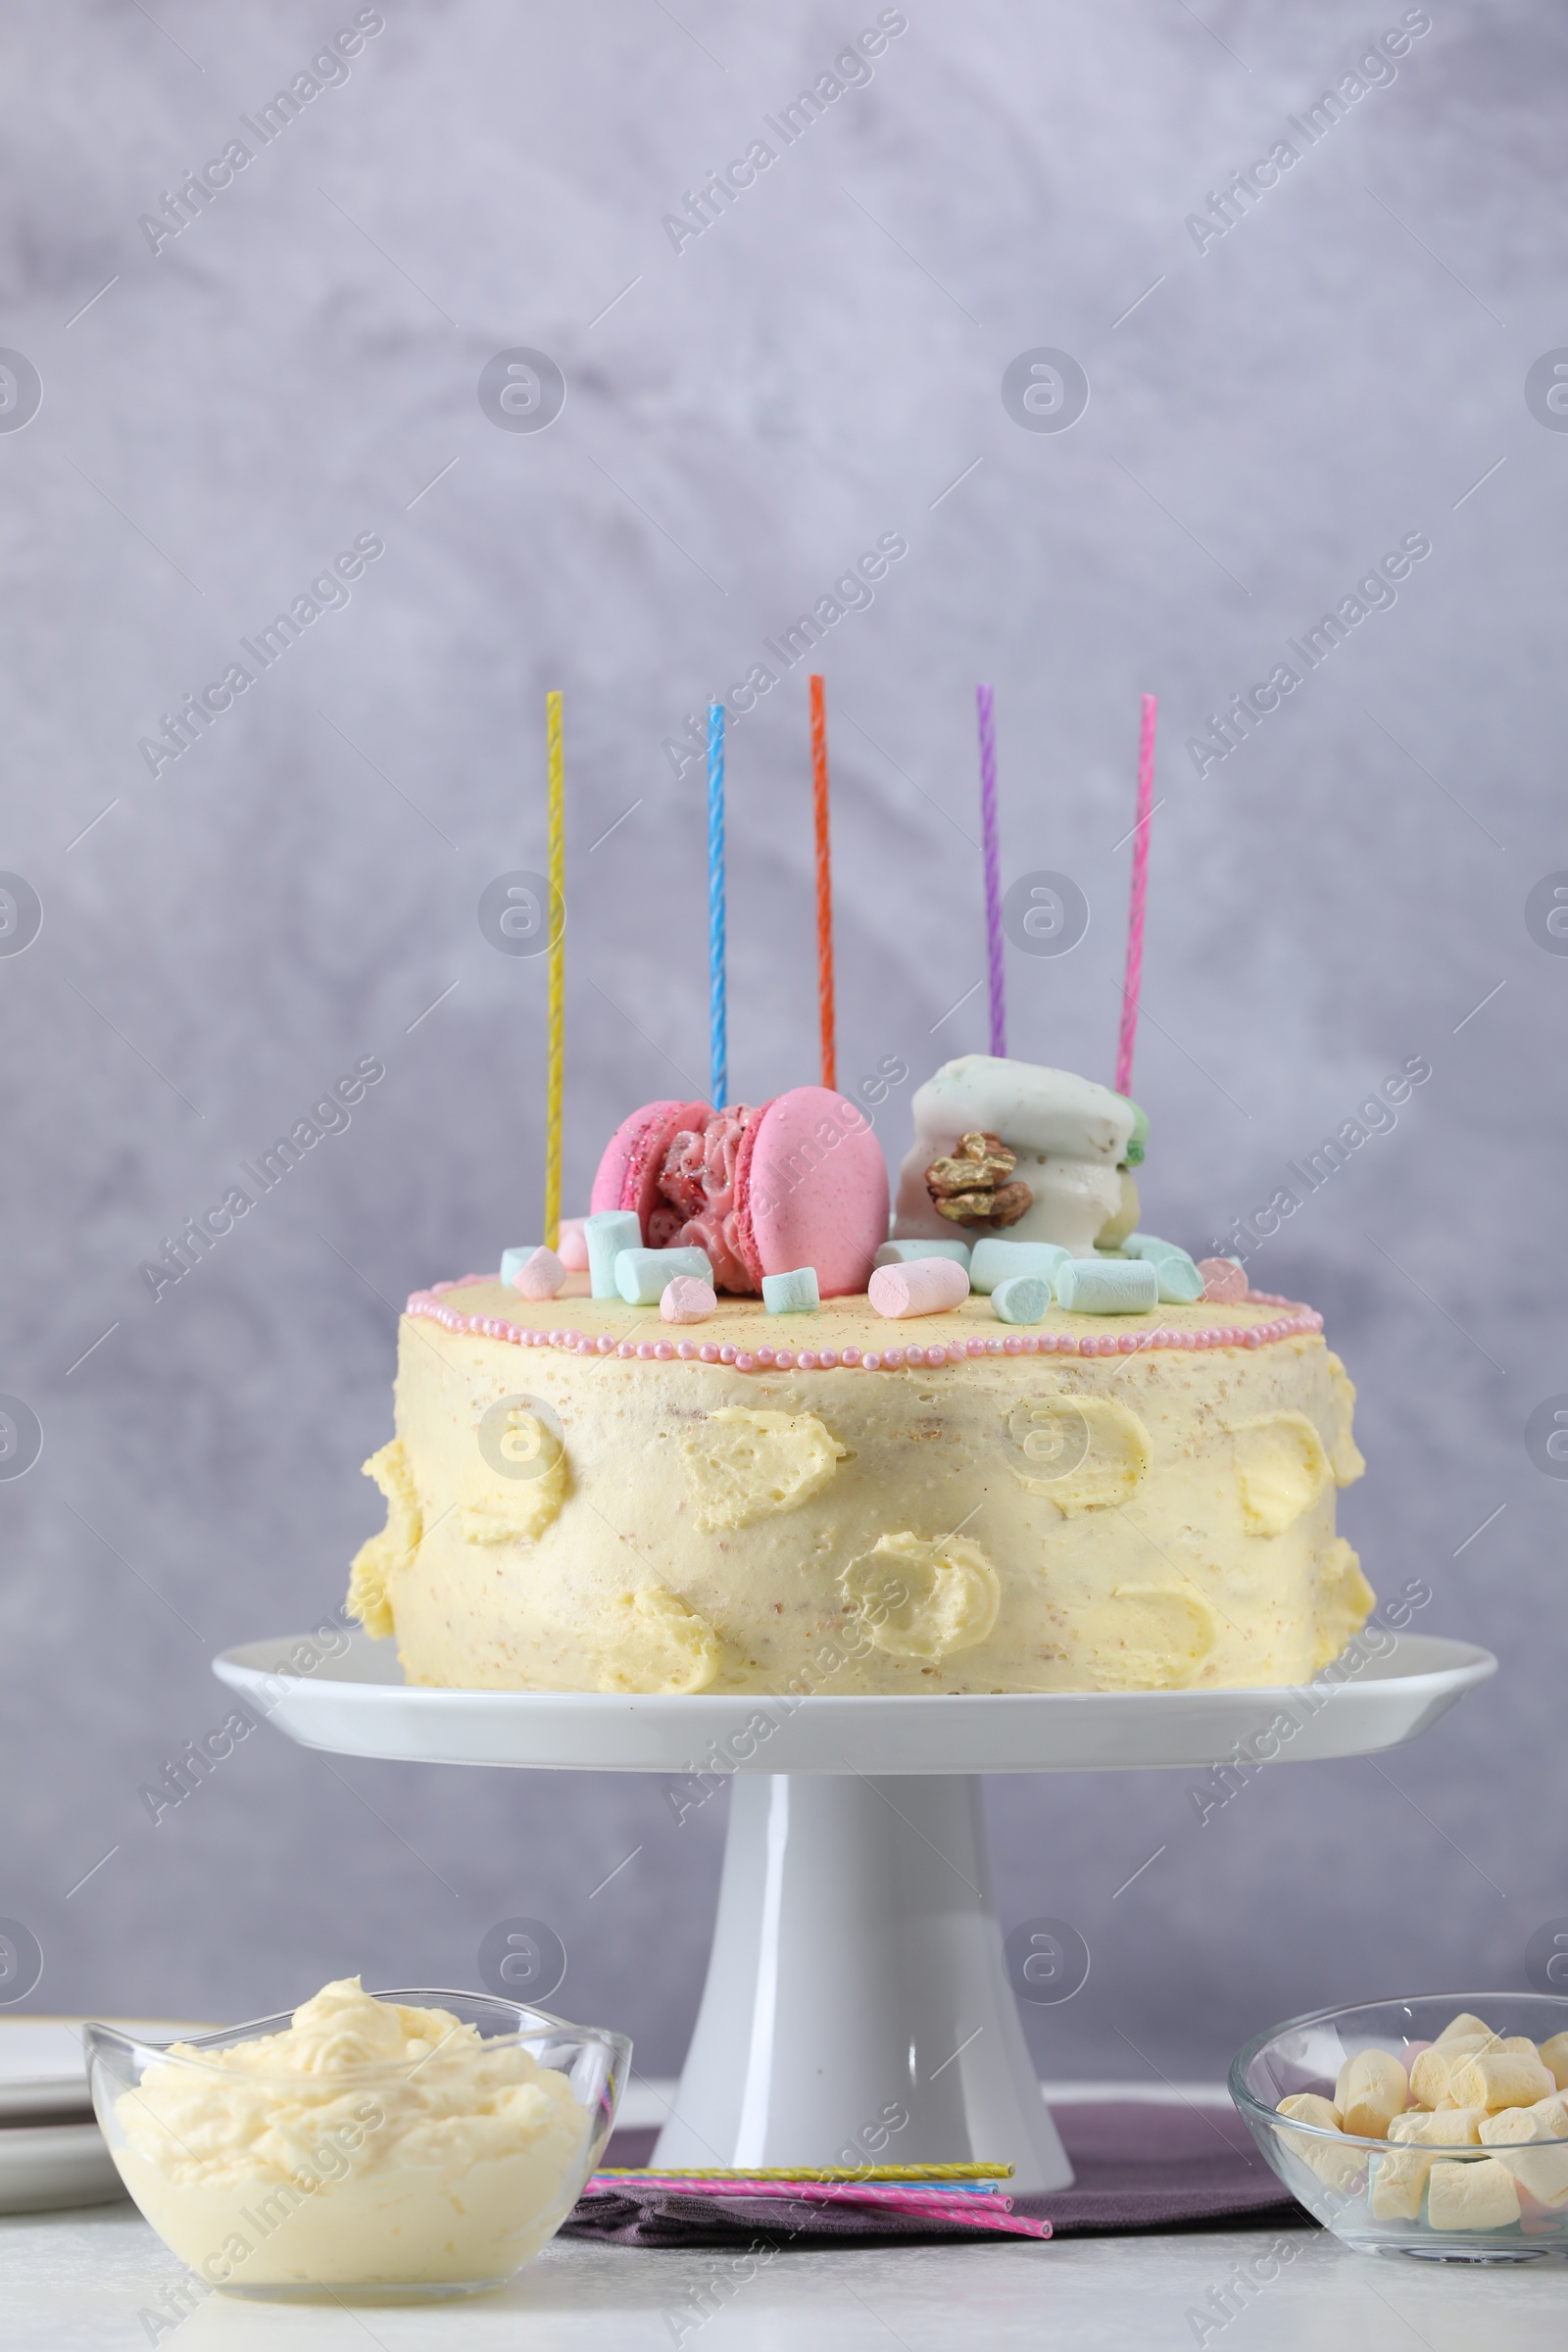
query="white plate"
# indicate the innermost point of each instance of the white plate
(52, 2152)
(44, 2166)
(364, 1708)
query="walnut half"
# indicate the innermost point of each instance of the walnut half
(971, 1186)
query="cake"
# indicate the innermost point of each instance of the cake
(586, 1494)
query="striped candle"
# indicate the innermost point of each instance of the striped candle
(1132, 977)
(953, 2206)
(824, 883)
(988, 841)
(555, 916)
(719, 1049)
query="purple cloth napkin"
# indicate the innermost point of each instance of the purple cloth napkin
(1137, 2167)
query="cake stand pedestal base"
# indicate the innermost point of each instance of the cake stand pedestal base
(858, 2008)
(857, 1975)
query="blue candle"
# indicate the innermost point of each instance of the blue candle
(717, 1049)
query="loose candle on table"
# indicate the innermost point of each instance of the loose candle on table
(1132, 982)
(555, 916)
(992, 878)
(824, 882)
(719, 1051)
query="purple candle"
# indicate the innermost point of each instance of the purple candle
(987, 837)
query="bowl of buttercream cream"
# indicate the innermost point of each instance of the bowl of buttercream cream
(370, 2147)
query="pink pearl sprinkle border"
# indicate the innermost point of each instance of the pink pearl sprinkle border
(431, 1305)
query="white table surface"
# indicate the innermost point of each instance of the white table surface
(79, 2282)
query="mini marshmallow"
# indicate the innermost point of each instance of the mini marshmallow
(536, 1273)
(1496, 2078)
(1513, 2126)
(1180, 1282)
(1465, 2026)
(1371, 2091)
(1108, 1286)
(792, 1293)
(1393, 2193)
(996, 1259)
(922, 1286)
(1479, 2195)
(1554, 2058)
(642, 1275)
(1429, 2076)
(607, 1234)
(573, 1244)
(1338, 2167)
(899, 1253)
(1022, 1299)
(1310, 2107)
(1544, 2176)
(687, 1299)
(1224, 1281)
(1448, 2127)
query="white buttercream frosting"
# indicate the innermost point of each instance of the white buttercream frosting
(370, 2142)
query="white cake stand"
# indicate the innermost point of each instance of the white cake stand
(858, 1971)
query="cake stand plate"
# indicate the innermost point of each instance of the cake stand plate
(857, 2006)
(359, 1704)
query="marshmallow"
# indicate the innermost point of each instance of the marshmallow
(1108, 1286)
(687, 1299)
(1150, 1245)
(1224, 1281)
(1479, 2195)
(1554, 2057)
(1544, 2176)
(1496, 2078)
(607, 1234)
(1309, 2107)
(536, 1273)
(923, 1286)
(1448, 2128)
(1180, 1282)
(642, 1275)
(1394, 2193)
(899, 1253)
(1465, 2026)
(1429, 2076)
(1338, 2167)
(997, 1261)
(792, 1293)
(573, 1244)
(1022, 1299)
(1371, 2091)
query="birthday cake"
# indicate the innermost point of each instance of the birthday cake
(736, 1436)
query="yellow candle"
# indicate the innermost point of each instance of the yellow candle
(558, 969)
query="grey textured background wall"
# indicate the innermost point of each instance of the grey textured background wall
(1344, 366)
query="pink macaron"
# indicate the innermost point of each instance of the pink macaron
(811, 1189)
(800, 1182)
(634, 1160)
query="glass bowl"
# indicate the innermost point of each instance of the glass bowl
(1336, 2177)
(370, 2182)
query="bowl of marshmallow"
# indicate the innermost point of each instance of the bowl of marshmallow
(1435, 2127)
